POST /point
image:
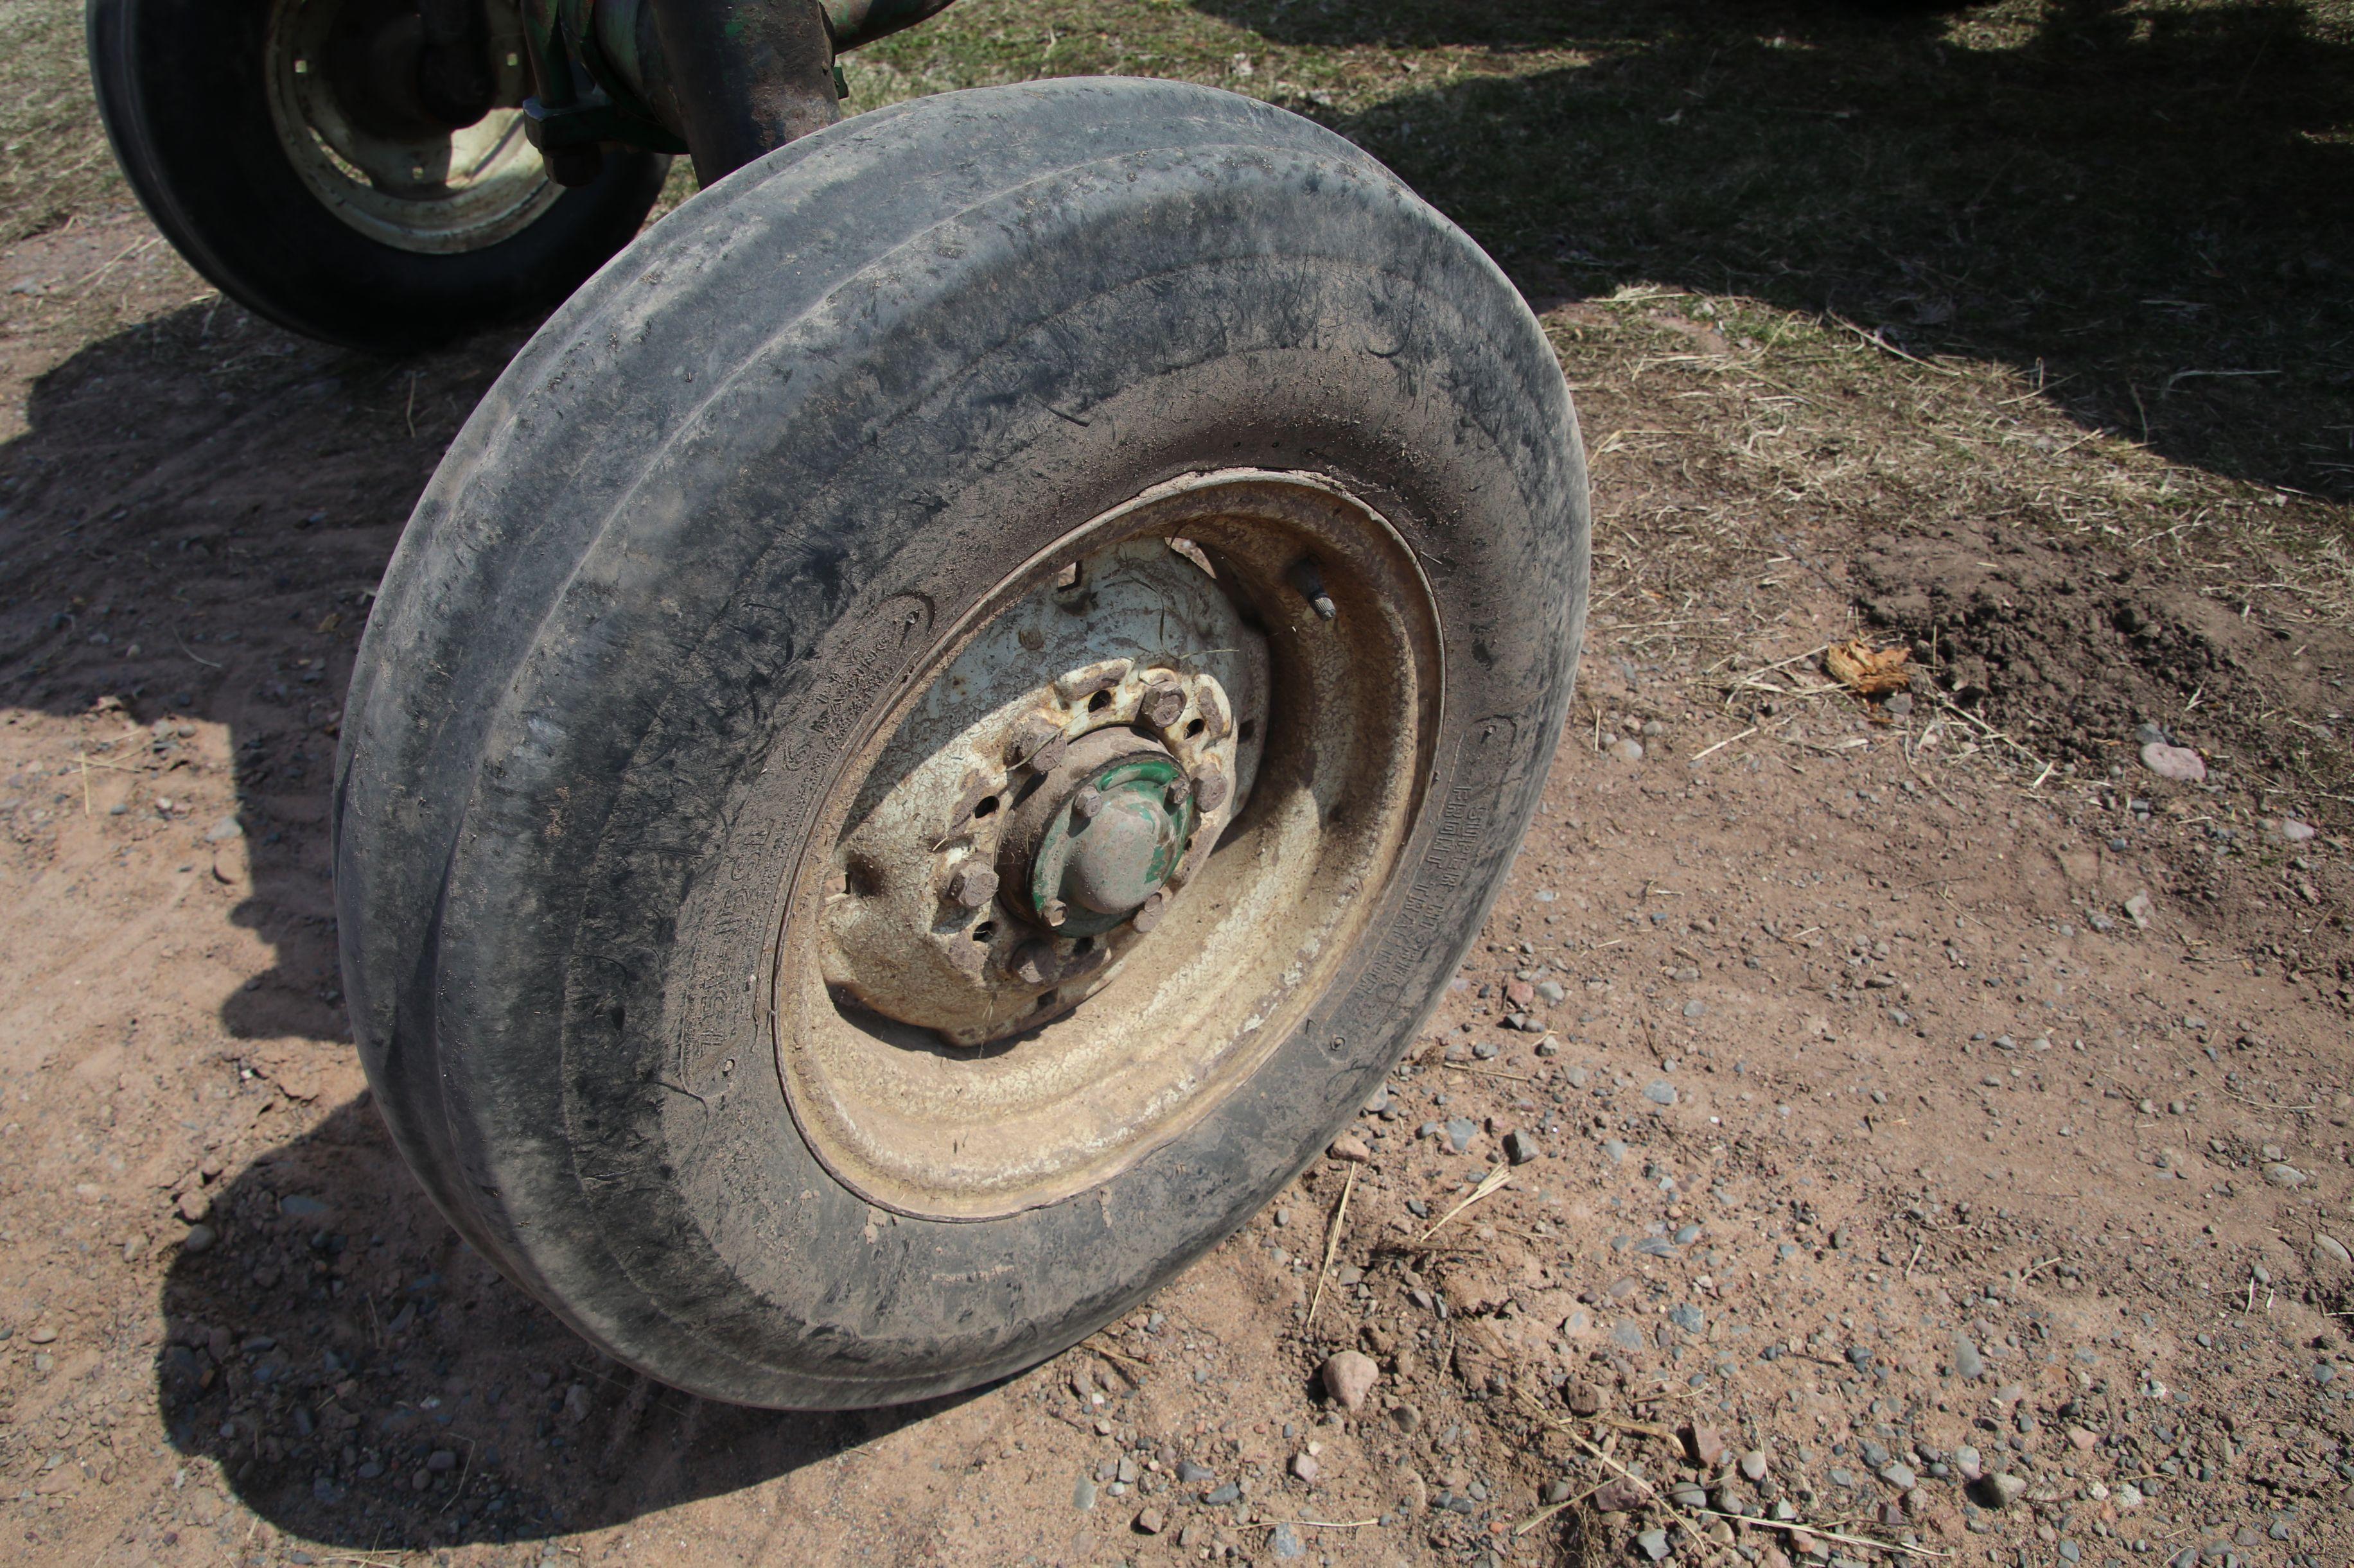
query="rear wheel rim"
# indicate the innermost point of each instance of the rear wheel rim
(416, 188)
(1123, 1037)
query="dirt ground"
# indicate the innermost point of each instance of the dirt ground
(1925, 1125)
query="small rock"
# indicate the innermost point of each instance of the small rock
(1661, 1093)
(2138, 910)
(1706, 1446)
(1651, 1543)
(195, 1204)
(1150, 1521)
(2330, 1249)
(442, 1461)
(1349, 1377)
(1628, 750)
(1350, 1148)
(2283, 1175)
(1967, 1362)
(1551, 991)
(1460, 1131)
(1999, 1492)
(2178, 763)
(1519, 1148)
(200, 1239)
(1191, 1474)
(1304, 1466)
(2294, 831)
(1083, 1496)
(1695, 1008)
(1898, 1474)
(1619, 1495)
(1218, 1497)
(1286, 1543)
(1752, 1463)
(1585, 1399)
(43, 1335)
(225, 829)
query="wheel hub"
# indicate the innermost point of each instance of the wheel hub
(345, 98)
(1021, 855)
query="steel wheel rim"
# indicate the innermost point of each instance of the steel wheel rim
(443, 193)
(1192, 1008)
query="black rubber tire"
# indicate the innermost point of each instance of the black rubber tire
(642, 600)
(181, 87)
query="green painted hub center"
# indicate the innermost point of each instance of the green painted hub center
(1113, 845)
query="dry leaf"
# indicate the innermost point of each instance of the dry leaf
(1868, 672)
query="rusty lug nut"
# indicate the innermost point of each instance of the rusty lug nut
(1086, 803)
(972, 886)
(1034, 963)
(1148, 914)
(1216, 721)
(1164, 704)
(1037, 740)
(1210, 789)
(1054, 911)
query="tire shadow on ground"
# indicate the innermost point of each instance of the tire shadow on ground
(363, 1378)
(193, 526)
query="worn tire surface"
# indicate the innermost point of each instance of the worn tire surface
(181, 88)
(682, 555)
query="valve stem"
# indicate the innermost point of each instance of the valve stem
(1310, 584)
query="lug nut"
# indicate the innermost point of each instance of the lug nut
(1037, 741)
(1164, 704)
(1148, 914)
(1034, 963)
(1086, 803)
(1054, 911)
(1216, 721)
(972, 886)
(1210, 788)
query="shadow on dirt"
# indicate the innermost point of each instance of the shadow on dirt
(2150, 210)
(197, 522)
(364, 1379)
(195, 525)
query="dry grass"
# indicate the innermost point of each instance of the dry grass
(54, 160)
